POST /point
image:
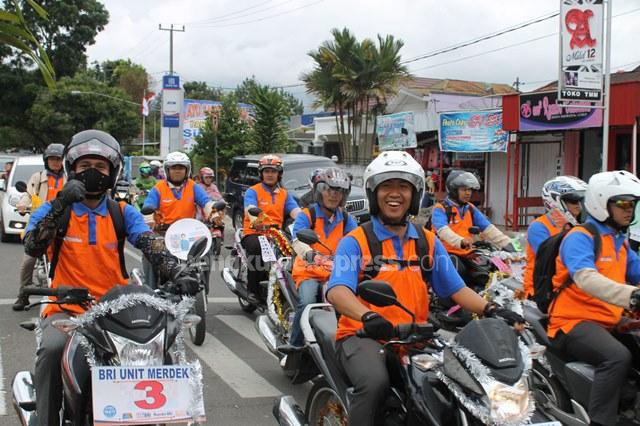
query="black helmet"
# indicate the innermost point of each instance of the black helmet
(460, 179)
(53, 150)
(333, 178)
(94, 143)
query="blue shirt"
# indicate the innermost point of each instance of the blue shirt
(199, 194)
(133, 221)
(302, 222)
(536, 234)
(439, 216)
(251, 199)
(576, 251)
(443, 278)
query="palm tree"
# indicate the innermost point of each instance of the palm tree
(15, 33)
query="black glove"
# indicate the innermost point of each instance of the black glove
(376, 326)
(634, 301)
(310, 256)
(509, 248)
(494, 310)
(188, 284)
(72, 192)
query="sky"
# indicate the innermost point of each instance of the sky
(227, 40)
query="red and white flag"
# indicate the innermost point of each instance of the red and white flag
(146, 100)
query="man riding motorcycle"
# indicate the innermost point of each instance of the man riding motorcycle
(174, 198)
(276, 204)
(311, 269)
(394, 184)
(143, 183)
(592, 292)
(562, 197)
(80, 227)
(45, 185)
(452, 218)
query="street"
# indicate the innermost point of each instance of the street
(241, 378)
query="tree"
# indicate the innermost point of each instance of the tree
(271, 112)
(122, 73)
(58, 114)
(245, 92)
(200, 90)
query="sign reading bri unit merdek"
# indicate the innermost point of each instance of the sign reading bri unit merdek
(581, 50)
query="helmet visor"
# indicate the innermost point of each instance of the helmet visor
(93, 147)
(415, 180)
(573, 197)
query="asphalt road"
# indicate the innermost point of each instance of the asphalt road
(241, 378)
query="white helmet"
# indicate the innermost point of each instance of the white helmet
(155, 163)
(560, 189)
(606, 186)
(394, 165)
(177, 159)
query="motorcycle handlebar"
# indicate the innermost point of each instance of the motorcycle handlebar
(422, 331)
(60, 292)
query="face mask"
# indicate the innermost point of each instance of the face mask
(94, 181)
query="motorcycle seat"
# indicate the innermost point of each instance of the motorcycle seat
(324, 324)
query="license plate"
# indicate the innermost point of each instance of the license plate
(143, 395)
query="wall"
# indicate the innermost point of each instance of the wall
(497, 185)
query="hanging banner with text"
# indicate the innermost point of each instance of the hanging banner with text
(474, 131)
(197, 112)
(581, 50)
(543, 111)
(396, 131)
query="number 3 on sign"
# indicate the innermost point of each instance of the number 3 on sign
(154, 397)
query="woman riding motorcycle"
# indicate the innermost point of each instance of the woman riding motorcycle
(208, 184)
(143, 183)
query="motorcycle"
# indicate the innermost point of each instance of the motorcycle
(123, 356)
(216, 227)
(41, 267)
(466, 382)
(276, 250)
(122, 192)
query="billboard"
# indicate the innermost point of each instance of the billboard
(472, 131)
(196, 113)
(543, 111)
(581, 50)
(396, 131)
(171, 101)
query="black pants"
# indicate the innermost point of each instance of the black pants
(256, 270)
(612, 357)
(365, 365)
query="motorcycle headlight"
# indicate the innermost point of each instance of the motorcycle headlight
(508, 403)
(13, 199)
(131, 353)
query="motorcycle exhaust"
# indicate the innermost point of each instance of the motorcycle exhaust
(231, 283)
(24, 396)
(287, 412)
(265, 330)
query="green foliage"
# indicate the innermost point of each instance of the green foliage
(270, 124)
(125, 74)
(200, 90)
(245, 92)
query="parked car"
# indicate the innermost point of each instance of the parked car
(11, 222)
(297, 170)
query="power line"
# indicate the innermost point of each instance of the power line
(215, 18)
(233, 18)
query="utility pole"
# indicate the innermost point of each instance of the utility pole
(607, 93)
(171, 29)
(517, 83)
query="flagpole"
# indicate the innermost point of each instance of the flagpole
(144, 99)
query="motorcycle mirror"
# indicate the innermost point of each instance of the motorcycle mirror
(21, 186)
(378, 293)
(147, 210)
(255, 211)
(474, 230)
(219, 205)
(197, 249)
(307, 236)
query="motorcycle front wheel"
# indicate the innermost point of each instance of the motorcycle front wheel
(198, 332)
(324, 407)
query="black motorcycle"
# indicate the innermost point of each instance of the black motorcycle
(480, 378)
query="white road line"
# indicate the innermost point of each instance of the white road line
(232, 370)
(214, 300)
(3, 405)
(245, 327)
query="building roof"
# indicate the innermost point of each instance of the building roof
(424, 86)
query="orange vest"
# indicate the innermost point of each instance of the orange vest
(407, 283)
(458, 225)
(301, 270)
(574, 305)
(52, 190)
(172, 209)
(271, 204)
(92, 266)
(531, 256)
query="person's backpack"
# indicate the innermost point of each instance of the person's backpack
(312, 213)
(117, 218)
(372, 269)
(545, 267)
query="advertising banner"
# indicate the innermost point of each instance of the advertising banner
(396, 131)
(472, 131)
(171, 101)
(543, 111)
(196, 113)
(581, 50)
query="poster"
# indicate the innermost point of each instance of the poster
(581, 50)
(472, 131)
(196, 113)
(396, 131)
(543, 111)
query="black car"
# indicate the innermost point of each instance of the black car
(297, 170)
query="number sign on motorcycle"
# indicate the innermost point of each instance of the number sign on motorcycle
(267, 251)
(143, 395)
(183, 233)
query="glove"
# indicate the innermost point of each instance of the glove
(509, 248)
(493, 310)
(310, 256)
(376, 326)
(634, 301)
(188, 284)
(72, 192)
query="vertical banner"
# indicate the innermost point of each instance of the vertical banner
(396, 131)
(581, 50)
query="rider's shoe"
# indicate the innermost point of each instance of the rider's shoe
(289, 348)
(20, 303)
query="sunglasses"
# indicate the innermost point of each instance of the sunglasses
(625, 204)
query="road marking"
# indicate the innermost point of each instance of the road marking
(233, 370)
(244, 327)
(214, 300)
(3, 406)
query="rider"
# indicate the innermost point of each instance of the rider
(331, 189)
(584, 316)
(308, 197)
(207, 183)
(144, 182)
(452, 218)
(562, 197)
(89, 257)
(394, 184)
(173, 199)
(276, 204)
(44, 185)
(156, 170)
